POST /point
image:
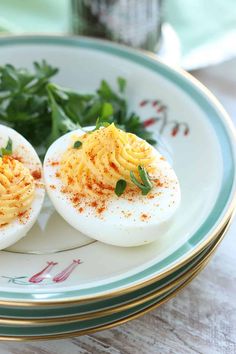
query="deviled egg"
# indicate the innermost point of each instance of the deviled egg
(111, 186)
(21, 186)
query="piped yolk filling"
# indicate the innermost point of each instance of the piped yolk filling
(105, 156)
(17, 189)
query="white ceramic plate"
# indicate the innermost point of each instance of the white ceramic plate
(197, 138)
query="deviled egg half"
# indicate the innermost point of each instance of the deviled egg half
(21, 186)
(111, 185)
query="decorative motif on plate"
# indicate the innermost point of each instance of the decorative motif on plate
(44, 276)
(161, 118)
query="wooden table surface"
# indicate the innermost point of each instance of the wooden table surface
(200, 319)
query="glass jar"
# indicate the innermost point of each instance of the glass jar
(136, 23)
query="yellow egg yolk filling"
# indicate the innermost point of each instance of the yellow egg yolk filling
(17, 189)
(105, 156)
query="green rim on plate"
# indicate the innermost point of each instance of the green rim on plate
(225, 201)
(135, 298)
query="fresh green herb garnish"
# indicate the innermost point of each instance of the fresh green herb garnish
(120, 187)
(43, 111)
(147, 185)
(77, 144)
(100, 122)
(7, 150)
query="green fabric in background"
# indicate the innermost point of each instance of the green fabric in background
(197, 22)
(35, 15)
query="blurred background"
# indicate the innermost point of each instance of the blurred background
(189, 33)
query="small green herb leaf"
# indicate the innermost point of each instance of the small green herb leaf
(77, 144)
(120, 187)
(144, 177)
(7, 150)
(147, 184)
(142, 187)
(100, 122)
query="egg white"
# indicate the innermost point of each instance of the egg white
(16, 229)
(114, 227)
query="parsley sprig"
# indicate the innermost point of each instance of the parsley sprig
(147, 185)
(7, 150)
(43, 111)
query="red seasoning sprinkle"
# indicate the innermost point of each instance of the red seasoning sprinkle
(100, 193)
(21, 214)
(64, 190)
(54, 163)
(75, 199)
(52, 186)
(36, 174)
(89, 186)
(24, 216)
(144, 217)
(158, 183)
(103, 186)
(70, 180)
(113, 166)
(101, 210)
(92, 158)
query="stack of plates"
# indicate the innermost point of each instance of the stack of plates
(55, 282)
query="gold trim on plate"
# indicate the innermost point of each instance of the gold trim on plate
(124, 307)
(109, 325)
